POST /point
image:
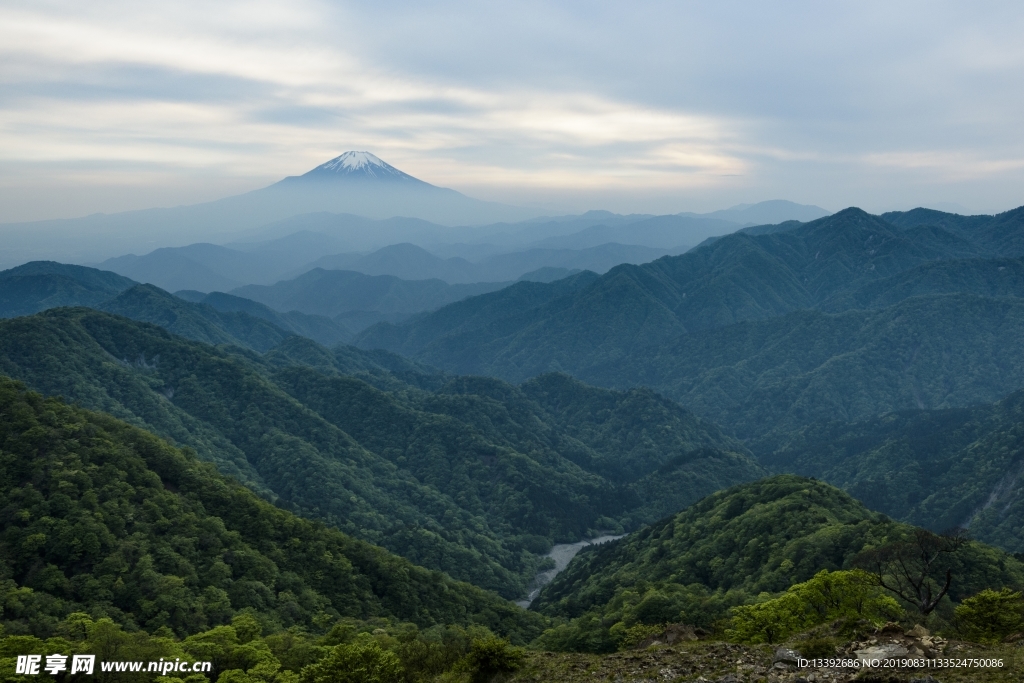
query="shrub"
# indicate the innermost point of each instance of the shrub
(990, 615)
(362, 661)
(490, 656)
(825, 597)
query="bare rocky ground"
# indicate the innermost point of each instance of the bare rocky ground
(719, 662)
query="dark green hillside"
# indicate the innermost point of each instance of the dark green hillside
(980, 277)
(200, 322)
(532, 491)
(926, 352)
(637, 431)
(105, 518)
(664, 454)
(39, 285)
(725, 550)
(999, 235)
(227, 319)
(379, 368)
(466, 475)
(788, 371)
(934, 469)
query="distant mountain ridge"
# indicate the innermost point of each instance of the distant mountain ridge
(736, 328)
(769, 212)
(739, 277)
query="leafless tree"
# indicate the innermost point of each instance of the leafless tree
(908, 568)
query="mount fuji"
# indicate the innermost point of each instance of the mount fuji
(354, 166)
(356, 184)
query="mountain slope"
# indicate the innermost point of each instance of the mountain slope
(999, 235)
(179, 268)
(926, 352)
(932, 468)
(728, 548)
(981, 277)
(106, 518)
(468, 476)
(36, 286)
(663, 232)
(320, 329)
(773, 211)
(200, 322)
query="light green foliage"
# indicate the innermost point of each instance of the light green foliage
(769, 621)
(826, 597)
(358, 662)
(363, 650)
(990, 616)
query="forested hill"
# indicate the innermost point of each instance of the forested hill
(846, 317)
(105, 518)
(727, 549)
(39, 285)
(932, 468)
(471, 476)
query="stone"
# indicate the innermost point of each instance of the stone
(918, 632)
(785, 656)
(881, 652)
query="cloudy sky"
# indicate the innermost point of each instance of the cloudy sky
(654, 107)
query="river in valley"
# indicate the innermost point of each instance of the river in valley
(561, 554)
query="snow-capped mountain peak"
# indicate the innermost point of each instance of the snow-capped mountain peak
(352, 161)
(358, 165)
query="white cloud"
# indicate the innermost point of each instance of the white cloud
(718, 103)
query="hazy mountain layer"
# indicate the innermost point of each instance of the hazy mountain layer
(769, 212)
(357, 300)
(415, 263)
(96, 237)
